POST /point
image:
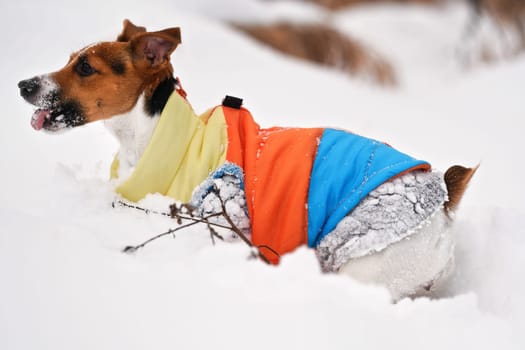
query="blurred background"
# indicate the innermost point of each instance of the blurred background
(492, 30)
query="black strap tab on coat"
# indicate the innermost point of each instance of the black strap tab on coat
(232, 102)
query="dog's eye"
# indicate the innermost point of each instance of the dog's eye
(84, 69)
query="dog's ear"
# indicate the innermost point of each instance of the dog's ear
(129, 31)
(155, 48)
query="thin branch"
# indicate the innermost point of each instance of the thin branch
(233, 227)
(237, 231)
(175, 212)
(132, 249)
(183, 217)
(147, 211)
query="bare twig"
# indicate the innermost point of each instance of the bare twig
(237, 231)
(132, 249)
(182, 212)
(178, 216)
(147, 211)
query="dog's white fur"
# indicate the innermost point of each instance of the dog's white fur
(48, 85)
(413, 265)
(133, 130)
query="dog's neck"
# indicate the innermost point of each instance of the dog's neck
(134, 129)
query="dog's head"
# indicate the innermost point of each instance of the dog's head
(101, 80)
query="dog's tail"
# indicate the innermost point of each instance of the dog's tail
(457, 178)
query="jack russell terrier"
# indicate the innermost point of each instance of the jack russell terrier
(368, 210)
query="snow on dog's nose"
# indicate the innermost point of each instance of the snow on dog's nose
(29, 88)
(39, 90)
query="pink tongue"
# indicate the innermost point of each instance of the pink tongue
(39, 117)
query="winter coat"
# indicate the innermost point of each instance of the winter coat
(298, 182)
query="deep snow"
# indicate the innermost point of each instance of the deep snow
(65, 283)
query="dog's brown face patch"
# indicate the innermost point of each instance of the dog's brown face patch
(102, 80)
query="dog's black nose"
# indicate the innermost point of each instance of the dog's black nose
(29, 87)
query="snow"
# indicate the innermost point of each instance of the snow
(65, 283)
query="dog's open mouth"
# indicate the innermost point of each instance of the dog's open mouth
(55, 119)
(47, 119)
(44, 119)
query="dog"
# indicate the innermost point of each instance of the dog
(368, 210)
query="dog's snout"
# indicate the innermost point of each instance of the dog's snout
(29, 87)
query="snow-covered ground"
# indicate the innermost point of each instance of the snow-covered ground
(64, 284)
